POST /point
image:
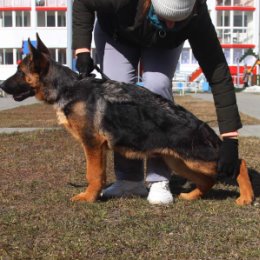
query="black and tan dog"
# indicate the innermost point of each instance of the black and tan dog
(105, 114)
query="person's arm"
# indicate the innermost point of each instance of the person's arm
(82, 25)
(207, 50)
(83, 17)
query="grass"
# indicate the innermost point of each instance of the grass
(205, 110)
(38, 221)
(36, 115)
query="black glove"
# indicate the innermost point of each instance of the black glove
(228, 162)
(84, 64)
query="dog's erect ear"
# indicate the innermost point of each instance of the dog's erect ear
(32, 49)
(40, 45)
(40, 61)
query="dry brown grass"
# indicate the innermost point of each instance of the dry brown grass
(36, 115)
(38, 221)
(205, 110)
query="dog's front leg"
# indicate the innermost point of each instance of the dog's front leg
(245, 186)
(95, 174)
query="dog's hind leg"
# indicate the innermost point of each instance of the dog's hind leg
(203, 182)
(245, 186)
(95, 174)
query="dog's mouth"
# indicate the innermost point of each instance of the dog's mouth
(23, 95)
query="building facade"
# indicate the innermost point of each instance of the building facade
(238, 28)
(21, 19)
(237, 25)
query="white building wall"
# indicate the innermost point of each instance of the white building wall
(56, 37)
(12, 37)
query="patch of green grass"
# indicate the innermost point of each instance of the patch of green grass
(38, 221)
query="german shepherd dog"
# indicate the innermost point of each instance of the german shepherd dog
(105, 114)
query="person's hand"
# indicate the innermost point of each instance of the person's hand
(84, 64)
(228, 162)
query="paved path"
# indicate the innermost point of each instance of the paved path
(248, 104)
(8, 102)
(12, 130)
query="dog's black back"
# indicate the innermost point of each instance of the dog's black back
(143, 121)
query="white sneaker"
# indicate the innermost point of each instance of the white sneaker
(160, 193)
(123, 188)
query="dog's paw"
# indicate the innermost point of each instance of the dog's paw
(185, 196)
(242, 200)
(193, 195)
(84, 197)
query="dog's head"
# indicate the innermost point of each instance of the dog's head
(26, 81)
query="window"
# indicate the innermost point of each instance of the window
(223, 18)
(6, 19)
(40, 2)
(224, 2)
(51, 19)
(61, 19)
(185, 56)
(193, 59)
(1, 57)
(238, 19)
(241, 19)
(23, 19)
(52, 53)
(58, 55)
(227, 54)
(237, 55)
(62, 56)
(15, 18)
(227, 2)
(243, 3)
(19, 55)
(6, 56)
(41, 19)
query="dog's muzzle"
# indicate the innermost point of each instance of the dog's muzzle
(18, 94)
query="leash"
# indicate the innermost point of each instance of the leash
(91, 75)
(104, 76)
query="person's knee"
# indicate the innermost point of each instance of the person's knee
(160, 85)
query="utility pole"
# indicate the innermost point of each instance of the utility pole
(69, 33)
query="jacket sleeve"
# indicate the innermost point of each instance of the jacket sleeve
(207, 50)
(83, 19)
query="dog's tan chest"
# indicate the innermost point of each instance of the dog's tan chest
(61, 117)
